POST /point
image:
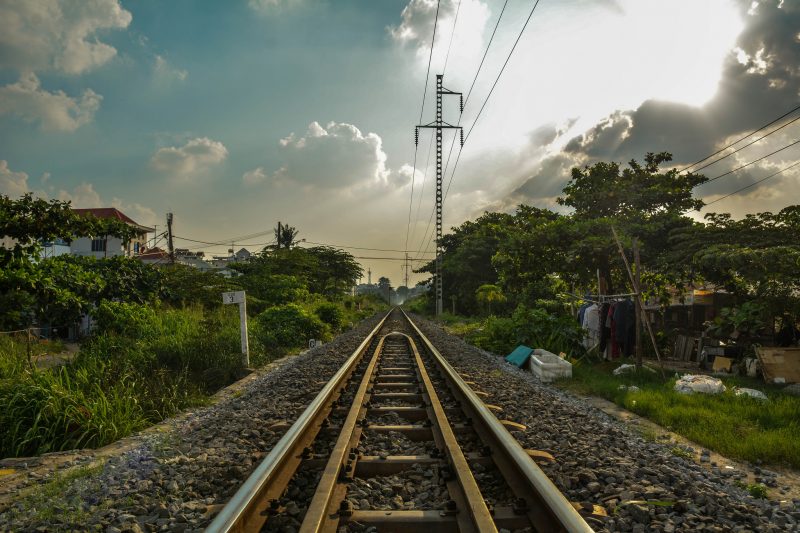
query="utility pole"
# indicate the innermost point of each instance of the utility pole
(405, 268)
(439, 125)
(170, 247)
(637, 276)
(279, 234)
(369, 276)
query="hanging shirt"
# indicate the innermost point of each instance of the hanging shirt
(591, 323)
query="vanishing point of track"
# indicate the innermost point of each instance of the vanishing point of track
(397, 388)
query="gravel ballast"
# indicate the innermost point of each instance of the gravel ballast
(177, 480)
(600, 460)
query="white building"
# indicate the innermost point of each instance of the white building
(108, 246)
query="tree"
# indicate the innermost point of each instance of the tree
(640, 201)
(385, 288)
(285, 235)
(56, 289)
(488, 295)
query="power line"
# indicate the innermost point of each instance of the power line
(422, 109)
(466, 101)
(754, 183)
(516, 42)
(357, 247)
(737, 141)
(746, 145)
(750, 163)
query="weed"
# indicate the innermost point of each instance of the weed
(757, 490)
(737, 427)
(677, 451)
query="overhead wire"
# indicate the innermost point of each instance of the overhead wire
(488, 96)
(466, 101)
(750, 163)
(740, 139)
(737, 191)
(421, 111)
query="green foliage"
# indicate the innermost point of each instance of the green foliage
(489, 295)
(186, 286)
(130, 320)
(734, 426)
(283, 327)
(738, 323)
(331, 314)
(532, 327)
(140, 367)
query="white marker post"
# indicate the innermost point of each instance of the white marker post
(237, 297)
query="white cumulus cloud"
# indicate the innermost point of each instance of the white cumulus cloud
(195, 157)
(12, 184)
(55, 111)
(255, 176)
(55, 35)
(337, 155)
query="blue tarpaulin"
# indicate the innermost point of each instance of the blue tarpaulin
(519, 356)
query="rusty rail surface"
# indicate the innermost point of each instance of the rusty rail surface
(396, 369)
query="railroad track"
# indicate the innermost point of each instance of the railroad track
(398, 418)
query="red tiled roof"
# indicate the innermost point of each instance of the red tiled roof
(153, 253)
(110, 212)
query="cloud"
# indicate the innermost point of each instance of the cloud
(50, 35)
(55, 111)
(195, 157)
(255, 176)
(760, 81)
(416, 29)
(266, 7)
(165, 72)
(12, 184)
(336, 156)
(15, 184)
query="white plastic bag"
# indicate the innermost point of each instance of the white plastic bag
(691, 383)
(753, 393)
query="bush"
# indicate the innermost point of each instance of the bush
(331, 314)
(126, 319)
(283, 327)
(532, 327)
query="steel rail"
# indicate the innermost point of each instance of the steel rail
(319, 510)
(241, 512)
(550, 511)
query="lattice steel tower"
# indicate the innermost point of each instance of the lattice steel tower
(440, 125)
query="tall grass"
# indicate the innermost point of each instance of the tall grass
(146, 367)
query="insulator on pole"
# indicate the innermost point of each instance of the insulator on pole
(462, 135)
(461, 102)
(416, 136)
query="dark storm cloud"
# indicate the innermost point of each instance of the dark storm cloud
(760, 81)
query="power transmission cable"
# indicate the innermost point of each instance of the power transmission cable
(357, 247)
(421, 110)
(737, 191)
(488, 96)
(746, 145)
(740, 139)
(466, 100)
(750, 163)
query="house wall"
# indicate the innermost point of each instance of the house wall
(83, 247)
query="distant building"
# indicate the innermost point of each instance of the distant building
(105, 245)
(154, 256)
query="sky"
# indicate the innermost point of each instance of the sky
(236, 115)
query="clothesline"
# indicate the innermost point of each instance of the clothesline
(603, 297)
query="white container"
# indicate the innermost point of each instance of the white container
(548, 366)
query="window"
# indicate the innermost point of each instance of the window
(99, 245)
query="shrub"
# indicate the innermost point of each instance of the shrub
(283, 327)
(533, 327)
(331, 314)
(130, 320)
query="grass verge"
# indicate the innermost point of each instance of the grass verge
(735, 426)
